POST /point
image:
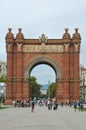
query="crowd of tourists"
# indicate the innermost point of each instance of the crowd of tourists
(51, 105)
(48, 103)
(75, 104)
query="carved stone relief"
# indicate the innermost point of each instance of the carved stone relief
(66, 47)
(77, 47)
(19, 46)
(39, 48)
(9, 47)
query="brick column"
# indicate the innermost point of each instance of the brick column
(66, 73)
(59, 90)
(71, 74)
(9, 75)
(26, 92)
(14, 73)
(76, 90)
(9, 48)
(19, 75)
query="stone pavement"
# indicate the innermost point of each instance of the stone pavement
(42, 119)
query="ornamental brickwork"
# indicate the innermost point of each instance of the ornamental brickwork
(61, 54)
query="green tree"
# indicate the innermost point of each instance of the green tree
(2, 79)
(34, 88)
(51, 90)
(82, 92)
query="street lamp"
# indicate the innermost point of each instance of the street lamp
(2, 95)
(84, 87)
(32, 92)
(49, 88)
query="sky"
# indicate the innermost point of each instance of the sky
(50, 17)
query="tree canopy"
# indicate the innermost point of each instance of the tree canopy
(51, 90)
(34, 88)
(2, 79)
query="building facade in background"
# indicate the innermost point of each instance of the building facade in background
(3, 73)
(61, 54)
(83, 82)
(3, 70)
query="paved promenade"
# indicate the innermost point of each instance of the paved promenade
(42, 119)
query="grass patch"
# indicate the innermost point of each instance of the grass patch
(83, 109)
(3, 108)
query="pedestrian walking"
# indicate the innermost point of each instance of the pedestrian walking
(49, 104)
(33, 106)
(55, 105)
(79, 105)
(75, 105)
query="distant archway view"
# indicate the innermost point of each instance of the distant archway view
(23, 55)
(42, 82)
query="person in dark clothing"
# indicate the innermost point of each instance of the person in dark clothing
(75, 105)
(55, 105)
(33, 105)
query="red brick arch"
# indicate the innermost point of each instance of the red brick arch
(42, 60)
(61, 54)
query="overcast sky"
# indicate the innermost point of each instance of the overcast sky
(43, 16)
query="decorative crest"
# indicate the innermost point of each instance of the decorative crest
(43, 39)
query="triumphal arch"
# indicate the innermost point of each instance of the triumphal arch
(61, 54)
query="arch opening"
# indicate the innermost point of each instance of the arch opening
(45, 77)
(41, 60)
(44, 61)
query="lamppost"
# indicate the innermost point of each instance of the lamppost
(2, 95)
(49, 88)
(32, 92)
(84, 87)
